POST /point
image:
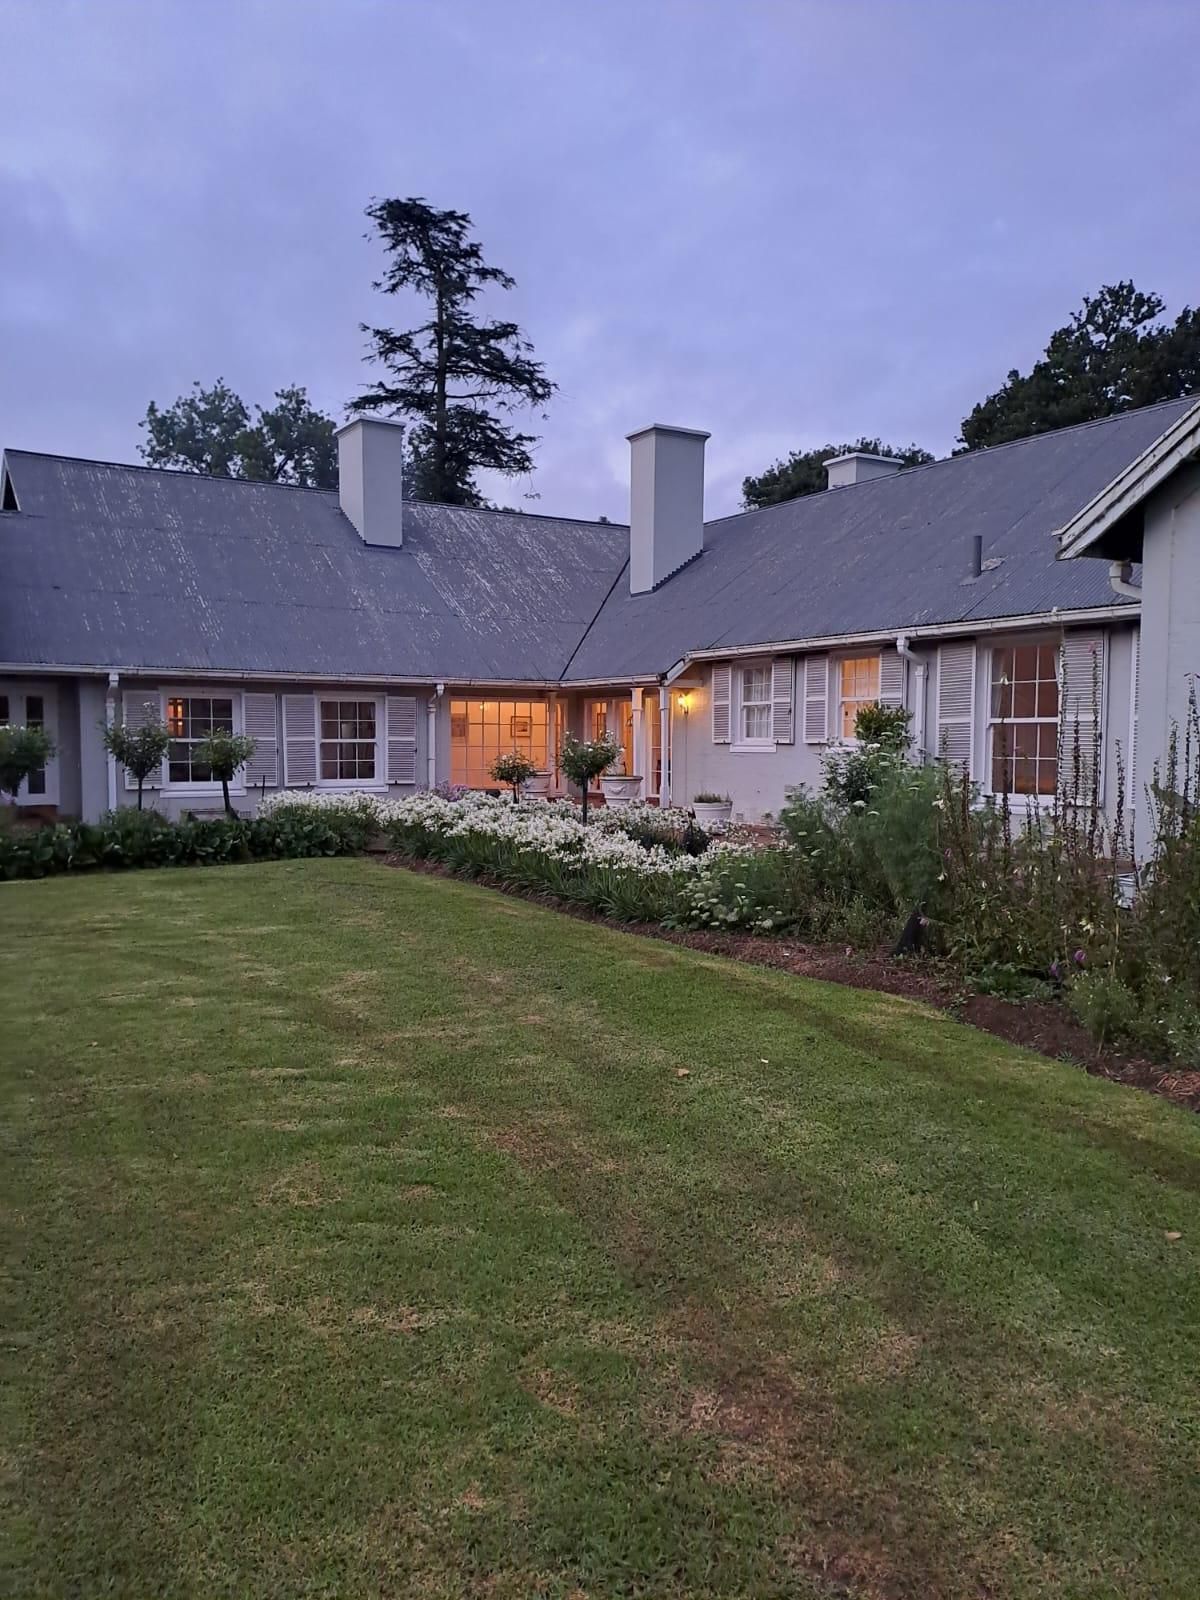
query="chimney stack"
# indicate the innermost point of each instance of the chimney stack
(858, 467)
(371, 478)
(666, 503)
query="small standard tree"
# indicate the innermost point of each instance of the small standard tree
(23, 751)
(515, 768)
(585, 759)
(225, 754)
(139, 750)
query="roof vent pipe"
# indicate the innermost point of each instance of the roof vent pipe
(976, 555)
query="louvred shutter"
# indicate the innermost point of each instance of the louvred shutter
(956, 704)
(816, 699)
(401, 738)
(258, 721)
(722, 686)
(783, 717)
(891, 678)
(299, 740)
(1081, 701)
(138, 707)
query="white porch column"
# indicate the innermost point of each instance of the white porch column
(639, 738)
(110, 717)
(431, 711)
(664, 745)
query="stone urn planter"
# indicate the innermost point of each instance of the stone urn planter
(537, 787)
(712, 813)
(620, 789)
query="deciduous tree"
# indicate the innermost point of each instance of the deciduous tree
(1115, 353)
(211, 430)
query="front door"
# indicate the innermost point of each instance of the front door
(33, 706)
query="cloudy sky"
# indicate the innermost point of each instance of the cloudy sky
(782, 221)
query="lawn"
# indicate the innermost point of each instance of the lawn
(381, 1235)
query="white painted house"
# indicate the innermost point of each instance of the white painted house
(371, 643)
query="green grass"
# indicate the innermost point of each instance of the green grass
(379, 1235)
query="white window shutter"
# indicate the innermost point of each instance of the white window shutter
(258, 721)
(956, 704)
(1131, 777)
(401, 738)
(1080, 712)
(299, 740)
(138, 707)
(891, 678)
(722, 689)
(816, 699)
(783, 714)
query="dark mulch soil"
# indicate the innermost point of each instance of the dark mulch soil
(1041, 1025)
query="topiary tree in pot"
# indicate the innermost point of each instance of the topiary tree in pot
(139, 750)
(23, 751)
(585, 759)
(225, 754)
(515, 768)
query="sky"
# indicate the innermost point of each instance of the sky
(781, 221)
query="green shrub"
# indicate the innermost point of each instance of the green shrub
(139, 750)
(514, 768)
(132, 839)
(583, 760)
(23, 751)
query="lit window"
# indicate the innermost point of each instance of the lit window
(1023, 722)
(35, 717)
(756, 704)
(347, 740)
(481, 730)
(191, 718)
(860, 687)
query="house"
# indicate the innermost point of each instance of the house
(370, 643)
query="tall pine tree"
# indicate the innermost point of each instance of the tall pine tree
(459, 375)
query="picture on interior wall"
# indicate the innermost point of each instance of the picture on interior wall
(458, 725)
(520, 727)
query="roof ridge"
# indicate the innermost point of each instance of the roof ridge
(304, 488)
(967, 455)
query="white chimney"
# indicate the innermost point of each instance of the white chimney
(858, 467)
(371, 478)
(666, 503)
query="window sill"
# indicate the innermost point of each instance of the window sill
(351, 785)
(755, 747)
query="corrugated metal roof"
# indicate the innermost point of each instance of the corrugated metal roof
(889, 554)
(125, 567)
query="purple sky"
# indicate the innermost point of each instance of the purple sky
(782, 222)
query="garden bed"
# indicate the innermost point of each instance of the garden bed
(1042, 1025)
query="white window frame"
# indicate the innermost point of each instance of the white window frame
(201, 691)
(379, 781)
(991, 722)
(848, 739)
(18, 693)
(738, 739)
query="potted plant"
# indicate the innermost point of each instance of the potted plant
(585, 759)
(620, 788)
(711, 809)
(515, 769)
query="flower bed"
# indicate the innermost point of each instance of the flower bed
(629, 864)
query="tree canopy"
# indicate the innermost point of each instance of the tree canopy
(803, 472)
(211, 430)
(1115, 353)
(458, 375)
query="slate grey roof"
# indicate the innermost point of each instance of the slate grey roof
(888, 554)
(124, 567)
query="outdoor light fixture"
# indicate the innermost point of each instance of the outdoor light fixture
(685, 701)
